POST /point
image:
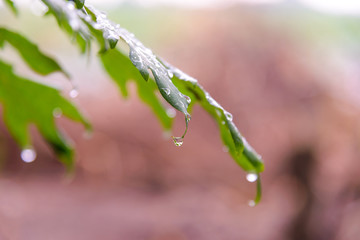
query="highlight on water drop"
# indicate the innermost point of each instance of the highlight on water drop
(251, 177)
(74, 93)
(28, 155)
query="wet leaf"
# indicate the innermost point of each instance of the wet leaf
(121, 70)
(26, 102)
(79, 3)
(37, 61)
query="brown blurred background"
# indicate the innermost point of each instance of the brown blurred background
(289, 75)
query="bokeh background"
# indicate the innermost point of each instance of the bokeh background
(289, 73)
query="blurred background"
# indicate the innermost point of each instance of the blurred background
(289, 73)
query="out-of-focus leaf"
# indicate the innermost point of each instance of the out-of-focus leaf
(12, 6)
(146, 90)
(26, 102)
(38, 61)
(79, 3)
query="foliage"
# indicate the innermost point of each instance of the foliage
(86, 24)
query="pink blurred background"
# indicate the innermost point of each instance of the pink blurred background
(290, 77)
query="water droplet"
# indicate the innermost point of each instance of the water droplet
(28, 155)
(57, 112)
(223, 122)
(171, 112)
(166, 91)
(251, 203)
(188, 99)
(74, 93)
(225, 149)
(228, 116)
(178, 141)
(218, 112)
(188, 117)
(87, 18)
(70, 5)
(251, 177)
(171, 75)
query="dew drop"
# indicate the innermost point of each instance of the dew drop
(188, 117)
(251, 177)
(57, 112)
(70, 5)
(228, 116)
(171, 112)
(178, 141)
(74, 93)
(28, 155)
(251, 203)
(166, 91)
(223, 122)
(171, 75)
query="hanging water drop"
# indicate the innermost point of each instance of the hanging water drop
(178, 141)
(28, 155)
(74, 93)
(166, 91)
(251, 203)
(188, 99)
(251, 177)
(57, 112)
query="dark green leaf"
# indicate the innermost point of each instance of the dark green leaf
(120, 68)
(79, 3)
(38, 61)
(26, 102)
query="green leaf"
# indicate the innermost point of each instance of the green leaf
(26, 102)
(146, 90)
(79, 3)
(144, 60)
(12, 6)
(239, 149)
(37, 61)
(174, 85)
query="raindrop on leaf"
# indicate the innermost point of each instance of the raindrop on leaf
(57, 112)
(166, 91)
